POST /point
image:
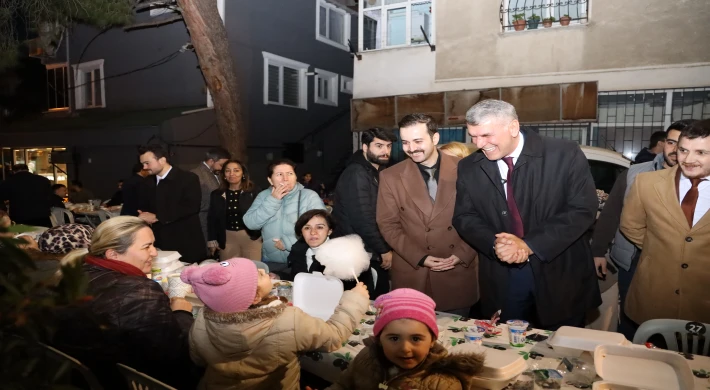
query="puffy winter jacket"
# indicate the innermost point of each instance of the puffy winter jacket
(277, 219)
(439, 371)
(258, 348)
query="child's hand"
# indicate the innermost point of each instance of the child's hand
(361, 289)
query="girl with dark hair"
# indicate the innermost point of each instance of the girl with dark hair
(313, 229)
(225, 225)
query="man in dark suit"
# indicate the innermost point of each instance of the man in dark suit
(171, 205)
(29, 196)
(131, 190)
(525, 202)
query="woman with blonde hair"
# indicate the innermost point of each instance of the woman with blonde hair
(456, 149)
(129, 318)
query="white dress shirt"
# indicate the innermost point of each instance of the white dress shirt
(703, 196)
(503, 167)
(311, 252)
(159, 178)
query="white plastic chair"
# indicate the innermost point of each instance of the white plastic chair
(140, 381)
(59, 215)
(63, 362)
(676, 335)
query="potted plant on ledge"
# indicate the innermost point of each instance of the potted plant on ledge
(519, 22)
(547, 22)
(533, 22)
(565, 20)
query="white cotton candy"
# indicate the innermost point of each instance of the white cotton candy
(343, 257)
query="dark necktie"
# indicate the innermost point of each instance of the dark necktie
(431, 184)
(516, 223)
(690, 200)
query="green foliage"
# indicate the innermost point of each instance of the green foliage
(36, 13)
(27, 308)
(534, 17)
(551, 19)
(519, 17)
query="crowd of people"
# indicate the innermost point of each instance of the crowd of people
(503, 229)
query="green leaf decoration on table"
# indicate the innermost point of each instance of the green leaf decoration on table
(362, 321)
(457, 330)
(548, 332)
(454, 341)
(347, 357)
(525, 355)
(529, 342)
(701, 374)
(345, 343)
(456, 318)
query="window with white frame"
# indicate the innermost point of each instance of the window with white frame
(395, 23)
(57, 87)
(332, 24)
(346, 84)
(285, 81)
(326, 87)
(89, 84)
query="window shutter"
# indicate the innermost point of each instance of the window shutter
(291, 87)
(323, 20)
(273, 83)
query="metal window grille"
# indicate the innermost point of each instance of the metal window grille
(518, 15)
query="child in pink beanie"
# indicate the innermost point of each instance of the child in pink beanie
(250, 340)
(404, 353)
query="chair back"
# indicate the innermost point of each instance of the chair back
(59, 364)
(680, 335)
(59, 213)
(139, 381)
(103, 215)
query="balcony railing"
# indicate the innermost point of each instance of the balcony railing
(520, 15)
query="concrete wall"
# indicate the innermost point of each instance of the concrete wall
(633, 44)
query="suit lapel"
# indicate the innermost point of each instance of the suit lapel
(666, 190)
(446, 189)
(493, 173)
(413, 183)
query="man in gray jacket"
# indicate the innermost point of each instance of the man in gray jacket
(622, 252)
(209, 173)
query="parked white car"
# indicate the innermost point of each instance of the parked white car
(606, 165)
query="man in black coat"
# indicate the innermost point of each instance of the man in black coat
(131, 190)
(356, 201)
(525, 202)
(171, 204)
(29, 196)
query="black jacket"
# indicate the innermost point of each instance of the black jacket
(176, 204)
(298, 264)
(356, 202)
(128, 321)
(29, 196)
(555, 195)
(131, 190)
(643, 156)
(217, 215)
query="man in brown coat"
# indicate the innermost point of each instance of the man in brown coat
(415, 206)
(666, 215)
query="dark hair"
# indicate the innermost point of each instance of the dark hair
(308, 215)
(156, 149)
(370, 134)
(681, 125)
(120, 181)
(137, 168)
(658, 136)
(20, 167)
(77, 183)
(247, 184)
(698, 129)
(216, 154)
(57, 186)
(413, 119)
(276, 163)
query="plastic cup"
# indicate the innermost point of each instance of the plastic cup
(177, 288)
(516, 331)
(473, 336)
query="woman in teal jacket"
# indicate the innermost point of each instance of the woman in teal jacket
(276, 210)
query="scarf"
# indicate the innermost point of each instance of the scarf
(114, 265)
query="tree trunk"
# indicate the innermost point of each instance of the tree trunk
(209, 37)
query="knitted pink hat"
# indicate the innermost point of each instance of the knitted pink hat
(226, 287)
(405, 303)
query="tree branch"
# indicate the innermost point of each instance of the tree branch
(154, 23)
